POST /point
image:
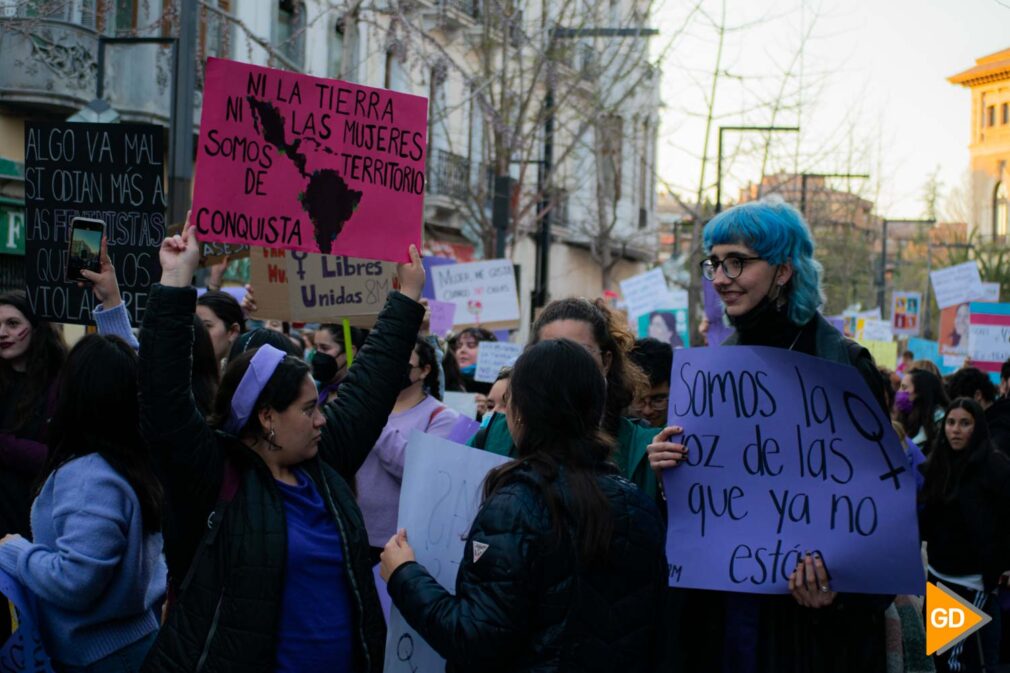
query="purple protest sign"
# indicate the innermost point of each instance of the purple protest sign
(787, 453)
(464, 429)
(429, 263)
(442, 315)
(717, 333)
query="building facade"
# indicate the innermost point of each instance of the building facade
(989, 144)
(548, 95)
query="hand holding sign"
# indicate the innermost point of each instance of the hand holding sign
(396, 552)
(663, 453)
(411, 275)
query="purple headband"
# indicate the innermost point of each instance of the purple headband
(261, 368)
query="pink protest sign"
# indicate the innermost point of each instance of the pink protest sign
(305, 163)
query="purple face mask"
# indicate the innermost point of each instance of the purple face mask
(903, 402)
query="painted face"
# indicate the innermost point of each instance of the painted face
(328, 345)
(496, 396)
(299, 427)
(580, 332)
(959, 427)
(756, 280)
(15, 335)
(466, 350)
(220, 334)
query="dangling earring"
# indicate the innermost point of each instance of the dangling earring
(270, 437)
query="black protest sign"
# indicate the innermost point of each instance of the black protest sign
(109, 172)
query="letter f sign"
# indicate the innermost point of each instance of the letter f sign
(950, 618)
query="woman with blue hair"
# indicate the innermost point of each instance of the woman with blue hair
(760, 259)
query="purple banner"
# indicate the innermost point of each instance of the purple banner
(717, 333)
(713, 304)
(787, 454)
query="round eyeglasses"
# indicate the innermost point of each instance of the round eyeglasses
(732, 267)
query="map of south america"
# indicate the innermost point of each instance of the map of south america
(327, 199)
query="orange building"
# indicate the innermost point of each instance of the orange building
(989, 82)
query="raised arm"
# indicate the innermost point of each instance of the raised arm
(186, 450)
(356, 418)
(110, 315)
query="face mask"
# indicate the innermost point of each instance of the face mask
(324, 367)
(469, 370)
(903, 402)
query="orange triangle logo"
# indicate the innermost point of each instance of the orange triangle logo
(949, 618)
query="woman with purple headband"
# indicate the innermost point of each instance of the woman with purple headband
(267, 553)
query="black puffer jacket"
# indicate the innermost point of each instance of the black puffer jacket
(527, 604)
(226, 617)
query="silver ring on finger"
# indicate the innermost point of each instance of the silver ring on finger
(825, 588)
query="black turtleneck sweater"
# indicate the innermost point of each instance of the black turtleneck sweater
(769, 325)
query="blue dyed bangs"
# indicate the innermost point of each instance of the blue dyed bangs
(777, 233)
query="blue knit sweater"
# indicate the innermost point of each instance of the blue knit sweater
(97, 574)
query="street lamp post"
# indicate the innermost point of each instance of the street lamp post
(718, 163)
(540, 291)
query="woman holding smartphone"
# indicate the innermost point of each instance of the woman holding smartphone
(267, 551)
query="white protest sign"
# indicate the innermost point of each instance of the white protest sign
(957, 284)
(492, 356)
(874, 330)
(464, 403)
(484, 293)
(439, 499)
(644, 293)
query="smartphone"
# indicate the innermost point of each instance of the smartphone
(85, 248)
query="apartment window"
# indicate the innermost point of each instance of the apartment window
(1005, 113)
(991, 115)
(335, 62)
(289, 30)
(438, 137)
(1000, 212)
(395, 77)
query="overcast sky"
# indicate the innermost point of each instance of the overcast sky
(874, 96)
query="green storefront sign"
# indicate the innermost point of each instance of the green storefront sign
(12, 229)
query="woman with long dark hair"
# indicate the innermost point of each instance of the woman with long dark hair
(572, 571)
(31, 355)
(418, 407)
(267, 552)
(919, 407)
(964, 519)
(760, 259)
(95, 563)
(602, 333)
(222, 315)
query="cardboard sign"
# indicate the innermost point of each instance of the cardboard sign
(109, 172)
(492, 356)
(906, 313)
(298, 286)
(787, 453)
(24, 651)
(989, 345)
(957, 284)
(484, 293)
(439, 499)
(305, 163)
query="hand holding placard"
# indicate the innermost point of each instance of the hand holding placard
(785, 454)
(411, 274)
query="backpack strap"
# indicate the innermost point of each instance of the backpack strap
(230, 480)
